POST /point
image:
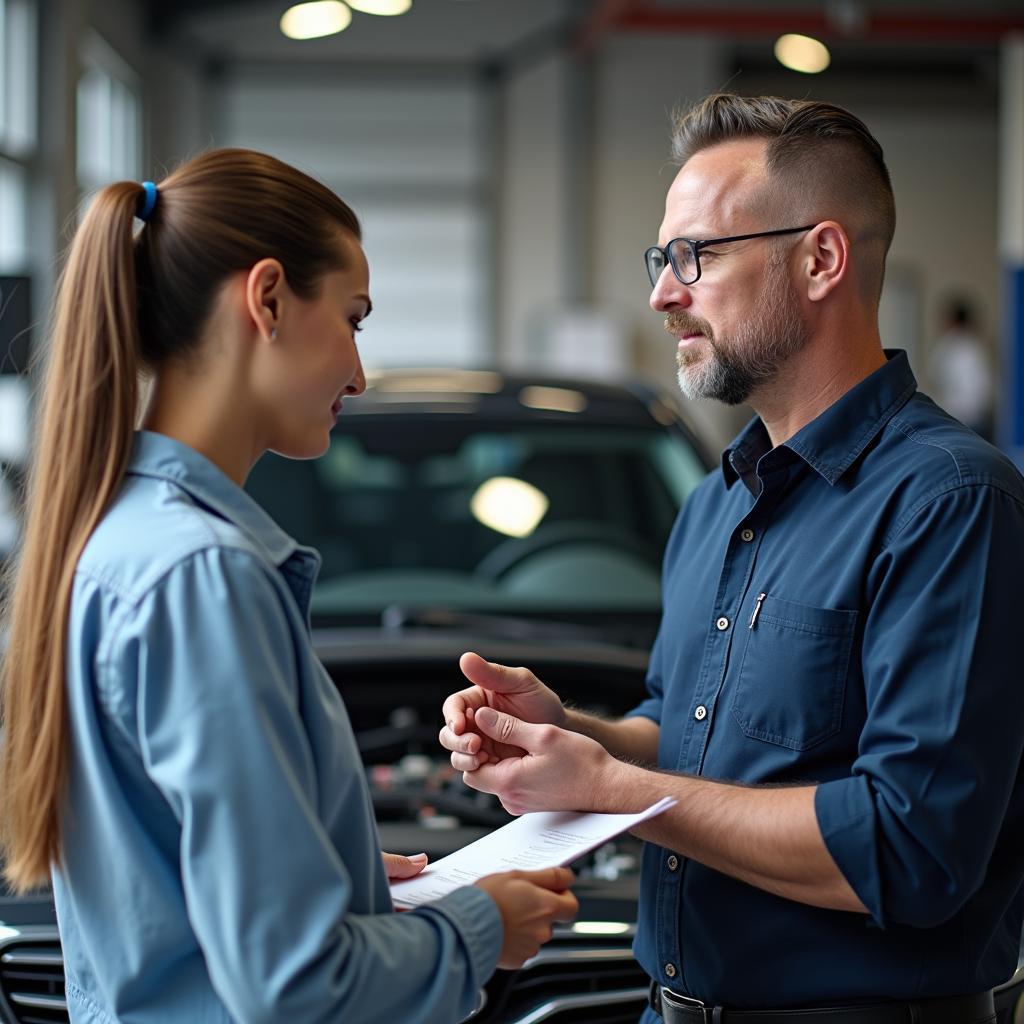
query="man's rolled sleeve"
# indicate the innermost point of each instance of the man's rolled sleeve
(652, 707)
(914, 827)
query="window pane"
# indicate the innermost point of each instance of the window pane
(109, 114)
(13, 218)
(3, 73)
(21, 72)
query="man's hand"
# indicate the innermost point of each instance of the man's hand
(529, 902)
(398, 866)
(557, 770)
(515, 691)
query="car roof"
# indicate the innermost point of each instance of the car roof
(499, 394)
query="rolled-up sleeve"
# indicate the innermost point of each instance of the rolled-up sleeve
(268, 893)
(914, 826)
(651, 707)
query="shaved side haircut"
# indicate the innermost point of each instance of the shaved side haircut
(822, 164)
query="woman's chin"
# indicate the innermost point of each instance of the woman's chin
(303, 448)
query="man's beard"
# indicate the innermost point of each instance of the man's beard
(734, 368)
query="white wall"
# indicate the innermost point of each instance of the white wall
(944, 174)
(640, 81)
(533, 200)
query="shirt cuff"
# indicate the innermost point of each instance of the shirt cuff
(845, 810)
(477, 919)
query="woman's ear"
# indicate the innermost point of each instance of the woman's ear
(264, 288)
(828, 260)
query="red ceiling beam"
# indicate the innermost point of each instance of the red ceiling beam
(905, 27)
(606, 16)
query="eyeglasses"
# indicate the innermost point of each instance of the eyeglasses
(683, 254)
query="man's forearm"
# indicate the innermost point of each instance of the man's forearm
(765, 836)
(629, 739)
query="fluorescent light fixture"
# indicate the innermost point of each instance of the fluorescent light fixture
(601, 928)
(313, 20)
(555, 399)
(802, 53)
(509, 505)
(385, 7)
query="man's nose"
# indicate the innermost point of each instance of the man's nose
(669, 294)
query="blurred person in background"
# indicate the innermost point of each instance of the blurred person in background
(834, 690)
(175, 755)
(961, 371)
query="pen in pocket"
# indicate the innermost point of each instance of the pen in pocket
(757, 610)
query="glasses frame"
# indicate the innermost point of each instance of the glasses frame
(696, 244)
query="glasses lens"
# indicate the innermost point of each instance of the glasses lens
(684, 261)
(655, 260)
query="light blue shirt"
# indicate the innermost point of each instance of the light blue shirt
(220, 857)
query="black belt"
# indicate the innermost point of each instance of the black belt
(976, 1009)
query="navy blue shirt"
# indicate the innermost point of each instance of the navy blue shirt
(844, 610)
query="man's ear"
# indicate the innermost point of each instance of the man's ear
(825, 259)
(264, 288)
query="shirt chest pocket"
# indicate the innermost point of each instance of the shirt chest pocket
(791, 679)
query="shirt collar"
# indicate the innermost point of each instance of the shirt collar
(161, 457)
(833, 441)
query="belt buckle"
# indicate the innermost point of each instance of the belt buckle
(687, 1003)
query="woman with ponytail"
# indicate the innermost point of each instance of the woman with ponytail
(174, 756)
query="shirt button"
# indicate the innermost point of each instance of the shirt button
(672, 863)
(747, 535)
(722, 624)
(670, 970)
(701, 713)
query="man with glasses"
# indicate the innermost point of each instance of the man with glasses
(834, 695)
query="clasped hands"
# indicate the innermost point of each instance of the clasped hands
(507, 734)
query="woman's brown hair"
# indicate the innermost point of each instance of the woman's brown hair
(127, 302)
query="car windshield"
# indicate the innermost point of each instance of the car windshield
(513, 517)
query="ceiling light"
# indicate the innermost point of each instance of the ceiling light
(802, 53)
(313, 20)
(509, 506)
(386, 7)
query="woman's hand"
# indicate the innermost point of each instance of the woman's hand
(530, 902)
(398, 866)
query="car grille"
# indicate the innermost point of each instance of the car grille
(575, 978)
(32, 976)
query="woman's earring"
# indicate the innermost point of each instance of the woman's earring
(273, 334)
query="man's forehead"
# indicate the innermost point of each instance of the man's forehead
(715, 190)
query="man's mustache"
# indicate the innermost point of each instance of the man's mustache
(683, 323)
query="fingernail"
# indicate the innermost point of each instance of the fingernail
(487, 716)
(417, 856)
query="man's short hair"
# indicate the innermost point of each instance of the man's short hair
(822, 161)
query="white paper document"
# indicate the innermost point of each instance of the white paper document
(544, 839)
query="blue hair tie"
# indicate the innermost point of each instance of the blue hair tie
(149, 202)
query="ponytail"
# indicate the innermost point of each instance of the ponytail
(125, 304)
(85, 423)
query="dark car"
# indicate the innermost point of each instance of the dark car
(523, 518)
